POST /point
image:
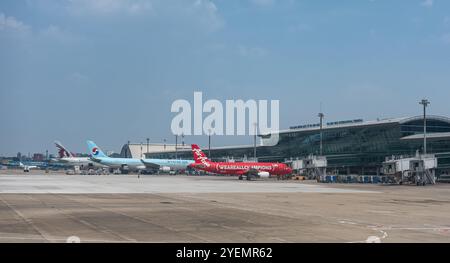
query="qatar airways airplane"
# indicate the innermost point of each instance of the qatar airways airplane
(67, 157)
(248, 169)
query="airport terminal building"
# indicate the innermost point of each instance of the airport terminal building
(140, 150)
(351, 147)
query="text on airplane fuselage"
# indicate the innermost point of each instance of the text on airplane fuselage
(244, 167)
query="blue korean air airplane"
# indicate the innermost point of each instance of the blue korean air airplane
(136, 164)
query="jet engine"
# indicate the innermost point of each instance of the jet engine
(264, 174)
(165, 169)
(124, 169)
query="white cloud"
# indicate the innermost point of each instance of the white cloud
(208, 14)
(9, 23)
(16, 28)
(203, 12)
(107, 7)
(427, 3)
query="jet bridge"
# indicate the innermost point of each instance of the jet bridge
(419, 170)
(312, 167)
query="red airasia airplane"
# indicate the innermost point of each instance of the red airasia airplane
(248, 169)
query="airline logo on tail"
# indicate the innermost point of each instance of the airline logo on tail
(95, 151)
(62, 151)
(199, 156)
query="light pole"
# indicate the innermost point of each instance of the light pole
(182, 140)
(164, 144)
(254, 142)
(148, 141)
(425, 104)
(321, 115)
(141, 149)
(176, 146)
(209, 143)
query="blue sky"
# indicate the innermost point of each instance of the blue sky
(108, 70)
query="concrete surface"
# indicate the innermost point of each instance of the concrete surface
(52, 208)
(95, 184)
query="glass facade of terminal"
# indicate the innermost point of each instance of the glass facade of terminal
(359, 148)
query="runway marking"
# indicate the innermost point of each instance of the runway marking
(83, 222)
(373, 239)
(347, 222)
(279, 239)
(138, 219)
(249, 235)
(370, 239)
(207, 202)
(62, 239)
(380, 211)
(73, 239)
(227, 206)
(26, 220)
(419, 228)
(377, 239)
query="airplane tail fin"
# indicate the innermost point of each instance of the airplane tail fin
(199, 156)
(94, 150)
(62, 151)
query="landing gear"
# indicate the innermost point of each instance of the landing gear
(247, 177)
(124, 169)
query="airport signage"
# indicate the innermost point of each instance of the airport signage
(316, 125)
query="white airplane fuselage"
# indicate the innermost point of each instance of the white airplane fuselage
(116, 163)
(81, 162)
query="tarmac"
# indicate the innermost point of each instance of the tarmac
(40, 207)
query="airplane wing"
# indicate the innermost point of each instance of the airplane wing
(150, 164)
(250, 171)
(94, 159)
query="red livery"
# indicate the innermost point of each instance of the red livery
(248, 169)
